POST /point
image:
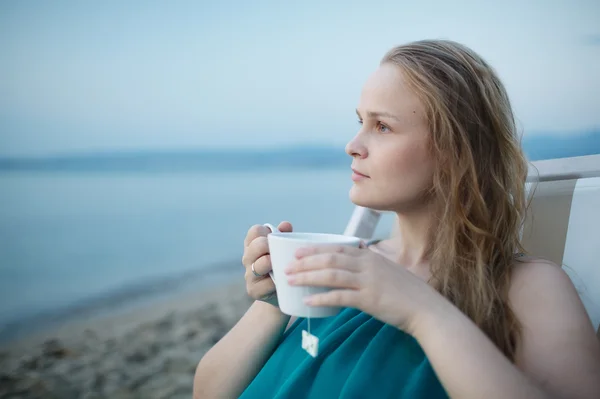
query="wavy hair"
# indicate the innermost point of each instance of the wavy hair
(478, 183)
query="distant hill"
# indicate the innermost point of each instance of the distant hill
(536, 146)
(539, 146)
(197, 160)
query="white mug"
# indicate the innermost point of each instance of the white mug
(282, 248)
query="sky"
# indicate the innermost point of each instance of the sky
(114, 75)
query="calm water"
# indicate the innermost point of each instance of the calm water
(65, 238)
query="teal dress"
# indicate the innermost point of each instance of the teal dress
(359, 357)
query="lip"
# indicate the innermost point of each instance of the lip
(356, 175)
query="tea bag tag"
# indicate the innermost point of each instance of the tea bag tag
(310, 343)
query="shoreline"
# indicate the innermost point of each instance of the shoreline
(117, 300)
(149, 350)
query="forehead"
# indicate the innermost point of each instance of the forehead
(386, 90)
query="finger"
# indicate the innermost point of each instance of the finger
(251, 278)
(262, 266)
(333, 278)
(327, 249)
(257, 248)
(285, 227)
(337, 298)
(333, 260)
(258, 230)
(261, 288)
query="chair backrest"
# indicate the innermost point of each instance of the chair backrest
(563, 224)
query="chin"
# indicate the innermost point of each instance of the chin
(380, 202)
(366, 200)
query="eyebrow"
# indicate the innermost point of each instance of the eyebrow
(372, 114)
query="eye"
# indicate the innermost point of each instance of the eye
(382, 128)
(360, 122)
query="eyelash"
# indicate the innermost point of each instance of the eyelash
(379, 126)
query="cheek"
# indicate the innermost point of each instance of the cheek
(411, 162)
(401, 173)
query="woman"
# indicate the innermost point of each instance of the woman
(448, 306)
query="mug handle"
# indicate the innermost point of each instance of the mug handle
(273, 230)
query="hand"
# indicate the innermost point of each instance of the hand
(364, 280)
(256, 251)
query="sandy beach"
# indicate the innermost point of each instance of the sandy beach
(150, 351)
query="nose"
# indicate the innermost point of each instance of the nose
(356, 147)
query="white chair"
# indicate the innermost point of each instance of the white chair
(563, 224)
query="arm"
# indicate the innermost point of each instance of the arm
(558, 355)
(233, 362)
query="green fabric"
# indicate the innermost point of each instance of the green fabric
(359, 357)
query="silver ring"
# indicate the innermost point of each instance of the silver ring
(254, 271)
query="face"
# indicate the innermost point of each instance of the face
(391, 148)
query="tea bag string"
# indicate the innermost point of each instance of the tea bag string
(310, 343)
(308, 319)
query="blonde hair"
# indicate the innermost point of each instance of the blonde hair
(479, 181)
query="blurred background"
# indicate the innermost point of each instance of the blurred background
(140, 140)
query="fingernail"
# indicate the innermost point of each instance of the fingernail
(308, 300)
(301, 252)
(291, 280)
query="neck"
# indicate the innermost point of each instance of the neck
(412, 235)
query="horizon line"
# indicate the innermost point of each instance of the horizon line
(238, 148)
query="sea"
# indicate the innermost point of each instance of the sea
(80, 242)
(84, 234)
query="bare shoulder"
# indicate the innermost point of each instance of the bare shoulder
(540, 285)
(538, 276)
(558, 345)
(542, 295)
